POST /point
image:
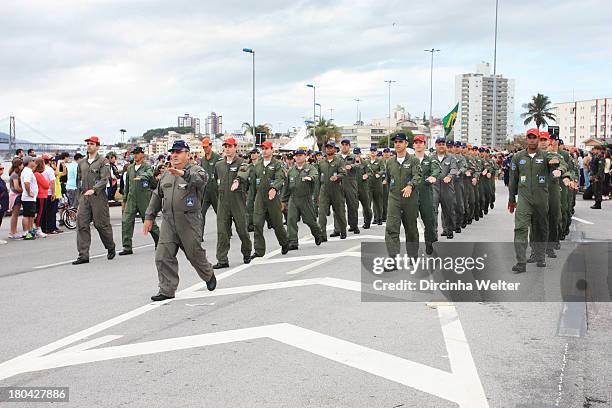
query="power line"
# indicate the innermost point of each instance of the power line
(38, 132)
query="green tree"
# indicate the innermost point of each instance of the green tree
(153, 133)
(387, 141)
(265, 128)
(324, 131)
(538, 111)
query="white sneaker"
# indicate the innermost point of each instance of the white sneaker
(16, 236)
(40, 234)
(3, 242)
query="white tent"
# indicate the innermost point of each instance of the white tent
(303, 138)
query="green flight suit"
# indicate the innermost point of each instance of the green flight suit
(94, 208)
(529, 179)
(376, 187)
(331, 194)
(179, 200)
(363, 194)
(403, 210)
(211, 196)
(599, 177)
(265, 179)
(298, 193)
(385, 188)
(351, 194)
(232, 206)
(429, 168)
(469, 188)
(136, 197)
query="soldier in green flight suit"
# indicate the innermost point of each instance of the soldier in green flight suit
(375, 186)
(331, 172)
(469, 183)
(530, 170)
(136, 196)
(267, 189)
(458, 182)
(477, 187)
(253, 156)
(207, 162)
(403, 174)
(302, 179)
(363, 174)
(386, 156)
(566, 217)
(430, 171)
(232, 175)
(349, 189)
(598, 175)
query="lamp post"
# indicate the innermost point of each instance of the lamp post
(389, 82)
(250, 51)
(331, 114)
(493, 133)
(432, 51)
(319, 105)
(357, 100)
(122, 134)
(314, 106)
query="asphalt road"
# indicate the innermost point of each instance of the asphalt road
(290, 331)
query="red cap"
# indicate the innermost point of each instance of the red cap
(230, 141)
(94, 139)
(46, 157)
(266, 145)
(206, 142)
(544, 135)
(533, 131)
(419, 138)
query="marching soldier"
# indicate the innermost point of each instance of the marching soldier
(136, 196)
(349, 188)
(458, 184)
(207, 162)
(403, 174)
(530, 170)
(93, 173)
(178, 196)
(302, 179)
(253, 156)
(478, 214)
(386, 155)
(331, 171)
(444, 188)
(375, 185)
(269, 178)
(232, 174)
(430, 171)
(469, 185)
(363, 175)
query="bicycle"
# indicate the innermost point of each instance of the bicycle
(69, 215)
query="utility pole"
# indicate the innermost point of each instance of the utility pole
(389, 136)
(432, 51)
(358, 118)
(331, 114)
(493, 133)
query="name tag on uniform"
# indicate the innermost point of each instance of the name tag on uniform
(392, 182)
(541, 179)
(447, 163)
(513, 166)
(406, 165)
(257, 181)
(539, 161)
(233, 169)
(189, 201)
(322, 176)
(291, 179)
(523, 179)
(182, 186)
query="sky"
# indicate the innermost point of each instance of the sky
(77, 68)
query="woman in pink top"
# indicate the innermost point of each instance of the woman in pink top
(41, 199)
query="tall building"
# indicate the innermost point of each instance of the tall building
(582, 120)
(189, 121)
(214, 124)
(474, 122)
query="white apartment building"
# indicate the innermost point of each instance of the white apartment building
(582, 120)
(474, 123)
(160, 145)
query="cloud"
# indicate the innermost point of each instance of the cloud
(78, 67)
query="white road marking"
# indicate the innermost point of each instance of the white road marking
(329, 258)
(582, 221)
(91, 257)
(308, 257)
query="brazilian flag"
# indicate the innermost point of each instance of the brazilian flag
(449, 120)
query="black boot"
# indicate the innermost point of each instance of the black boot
(335, 234)
(597, 206)
(220, 265)
(519, 268)
(428, 248)
(449, 236)
(160, 296)
(458, 230)
(126, 252)
(212, 283)
(551, 253)
(532, 258)
(343, 235)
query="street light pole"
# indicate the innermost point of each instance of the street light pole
(331, 114)
(357, 100)
(319, 105)
(493, 132)
(432, 51)
(314, 109)
(250, 51)
(122, 134)
(389, 136)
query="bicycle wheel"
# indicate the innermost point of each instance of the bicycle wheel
(70, 218)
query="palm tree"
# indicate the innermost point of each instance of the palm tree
(538, 111)
(325, 130)
(247, 128)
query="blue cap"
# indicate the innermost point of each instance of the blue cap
(345, 141)
(330, 143)
(457, 143)
(561, 141)
(488, 150)
(379, 154)
(450, 143)
(481, 149)
(440, 140)
(318, 152)
(386, 150)
(463, 144)
(400, 136)
(179, 145)
(373, 148)
(356, 150)
(299, 151)
(474, 147)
